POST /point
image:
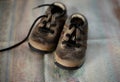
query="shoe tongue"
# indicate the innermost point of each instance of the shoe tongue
(58, 10)
(77, 22)
(59, 5)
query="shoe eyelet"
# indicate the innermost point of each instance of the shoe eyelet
(54, 24)
(63, 42)
(52, 32)
(70, 26)
(78, 46)
(44, 22)
(67, 35)
(78, 39)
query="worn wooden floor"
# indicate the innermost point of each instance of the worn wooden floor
(23, 65)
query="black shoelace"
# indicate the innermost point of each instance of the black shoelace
(25, 39)
(72, 42)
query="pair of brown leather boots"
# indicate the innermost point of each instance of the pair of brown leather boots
(67, 36)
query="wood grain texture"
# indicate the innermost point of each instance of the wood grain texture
(24, 65)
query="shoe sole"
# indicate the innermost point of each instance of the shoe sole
(67, 68)
(37, 50)
(42, 48)
(61, 63)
